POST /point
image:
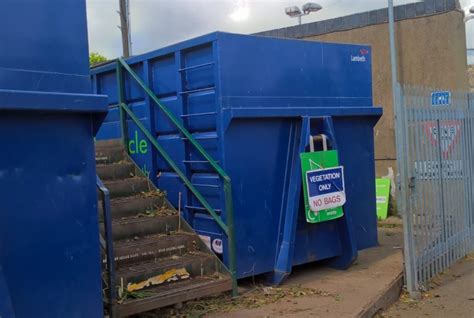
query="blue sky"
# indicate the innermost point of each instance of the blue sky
(156, 23)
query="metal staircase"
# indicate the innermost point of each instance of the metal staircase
(152, 245)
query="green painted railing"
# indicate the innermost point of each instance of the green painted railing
(125, 110)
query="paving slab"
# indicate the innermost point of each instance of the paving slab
(357, 292)
(451, 295)
(372, 283)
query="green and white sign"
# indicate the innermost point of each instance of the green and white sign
(382, 193)
(315, 167)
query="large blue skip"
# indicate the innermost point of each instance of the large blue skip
(253, 103)
(50, 261)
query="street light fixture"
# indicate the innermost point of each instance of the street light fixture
(470, 16)
(295, 12)
(311, 7)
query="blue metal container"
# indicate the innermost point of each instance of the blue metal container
(6, 308)
(49, 232)
(252, 102)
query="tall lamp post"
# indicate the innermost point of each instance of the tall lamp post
(469, 17)
(393, 49)
(402, 195)
(295, 12)
(124, 27)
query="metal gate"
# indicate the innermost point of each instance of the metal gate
(435, 154)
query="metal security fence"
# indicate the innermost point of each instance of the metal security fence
(435, 153)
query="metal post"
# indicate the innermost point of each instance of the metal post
(231, 234)
(396, 108)
(393, 49)
(125, 27)
(109, 247)
(121, 100)
(402, 163)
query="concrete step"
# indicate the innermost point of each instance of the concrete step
(108, 143)
(153, 248)
(136, 205)
(177, 292)
(149, 239)
(144, 226)
(107, 152)
(197, 264)
(128, 187)
(109, 155)
(116, 171)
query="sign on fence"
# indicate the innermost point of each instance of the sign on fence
(449, 137)
(429, 169)
(441, 98)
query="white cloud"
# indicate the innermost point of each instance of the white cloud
(241, 11)
(102, 20)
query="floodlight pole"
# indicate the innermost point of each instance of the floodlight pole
(467, 18)
(124, 13)
(402, 164)
(393, 49)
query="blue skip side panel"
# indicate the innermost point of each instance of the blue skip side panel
(50, 262)
(44, 45)
(288, 73)
(57, 255)
(252, 103)
(6, 308)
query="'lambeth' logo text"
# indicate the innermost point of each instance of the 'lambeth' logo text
(358, 58)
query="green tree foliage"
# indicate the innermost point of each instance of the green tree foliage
(95, 58)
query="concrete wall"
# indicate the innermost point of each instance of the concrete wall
(431, 51)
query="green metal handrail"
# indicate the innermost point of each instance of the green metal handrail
(124, 110)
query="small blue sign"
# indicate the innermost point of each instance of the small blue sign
(325, 181)
(441, 98)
